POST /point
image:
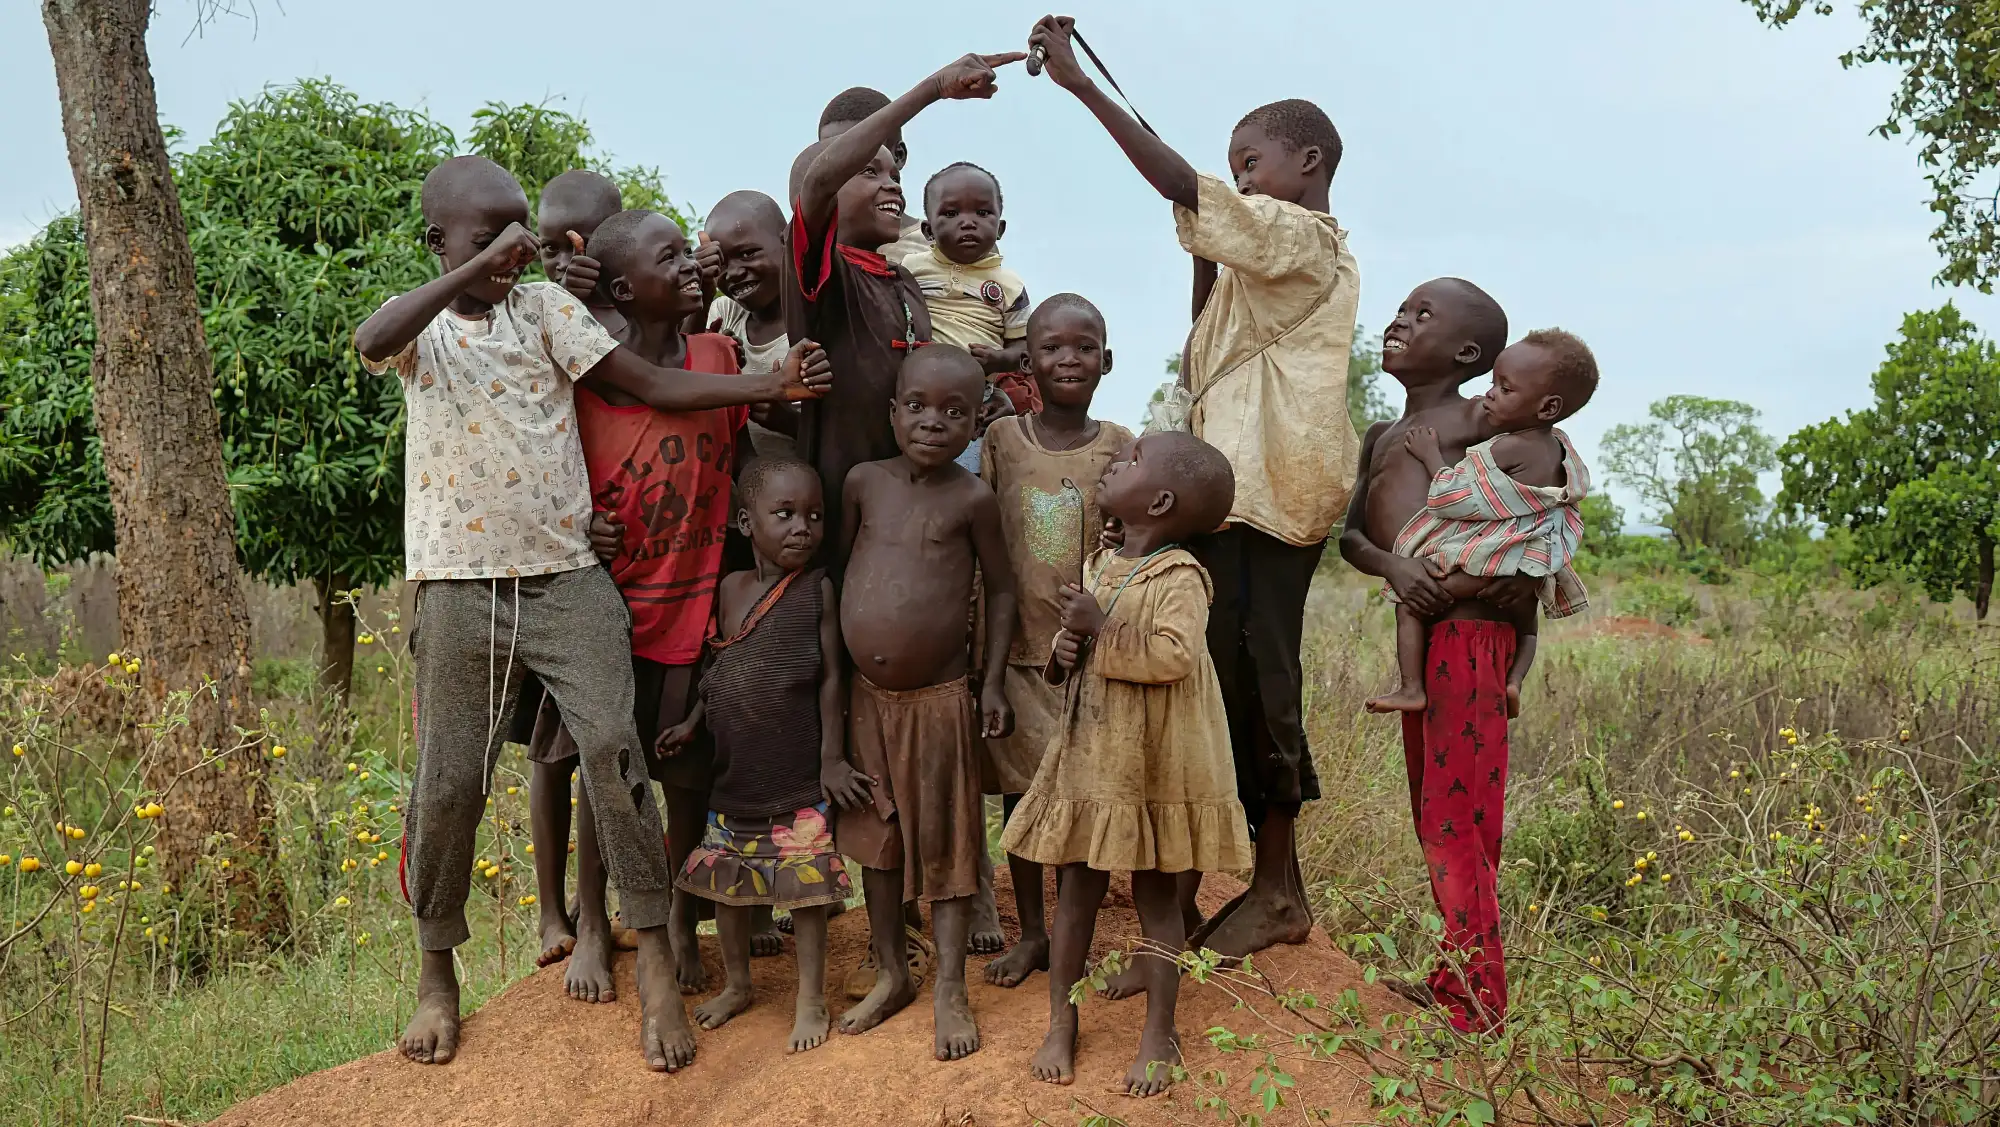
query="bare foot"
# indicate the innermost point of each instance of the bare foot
(1127, 983)
(665, 1038)
(688, 970)
(764, 944)
(1013, 968)
(589, 976)
(957, 1034)
(1404, 699)
(558, 937)
(1198, 936)
(1152, 1072)
(716, 1012)
(986, 938)
(1055, 1061)
(810, 1026)
(890, 994)
(432, 1035)
(1260, 921)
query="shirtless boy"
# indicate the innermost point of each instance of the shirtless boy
(1448, 331)
(916, 525)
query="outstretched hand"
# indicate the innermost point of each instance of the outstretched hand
(973, 76)
(1051, 34)
(808, 374)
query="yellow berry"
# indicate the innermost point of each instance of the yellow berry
(1534, 907)
(88, 891)
(513, 790)
(76, 832)
(374, 861)
(89, 906)
(1901, 839)
(382, 856)
(112, 659)
(340, 901)
(361, 940)
(381, 669)
(1665, 877)
(131, 667)
(93, 869)
(1686, 836)
(363, 775)
(531, 848)
(395, 630)
(1595, 961)
(366, 639)
(1734, 774)
(1641, 815)
(353, 767)
(278, 752)
(1639, 864)
(149, 933)
(225, 862)
(1904, 735)
(1618, 804)
(19, 750)
(72, 867)
(30, 864)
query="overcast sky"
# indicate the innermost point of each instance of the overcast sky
(1698, 197)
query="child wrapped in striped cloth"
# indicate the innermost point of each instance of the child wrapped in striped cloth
(1509, 508)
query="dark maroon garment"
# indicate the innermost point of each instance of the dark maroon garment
(867, 314)
(762, 693)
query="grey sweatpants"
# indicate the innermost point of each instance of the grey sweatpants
(573, 631)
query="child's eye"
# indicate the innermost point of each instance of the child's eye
(1424, 316)
(955, 412)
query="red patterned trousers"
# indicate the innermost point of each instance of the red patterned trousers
(1456, 754)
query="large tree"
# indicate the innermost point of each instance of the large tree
(1949, 55)
(1695, 468)
(180, 605)
(1915, 476)
(285, 267)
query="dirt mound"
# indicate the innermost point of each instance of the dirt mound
(531, 1057)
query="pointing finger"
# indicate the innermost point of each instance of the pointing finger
(1003, 58)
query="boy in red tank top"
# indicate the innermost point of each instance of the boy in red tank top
(666, 477)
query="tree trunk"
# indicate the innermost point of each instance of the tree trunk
(180, 607)
(336, 634)
(1982, 583)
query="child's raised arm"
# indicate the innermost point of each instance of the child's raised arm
(390, 329)
(806, 373)
(1166, 170)
(997, 575)
(849, 153)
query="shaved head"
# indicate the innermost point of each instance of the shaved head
(754, 208)
(460, 181)
(580, 190)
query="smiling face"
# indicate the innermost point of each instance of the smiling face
(468, 223)
(871, 204)
(558, 217)
(658, 280)
(1523, 394)
(937, 401)
(962, 215)
(787, 518)
(1431, 337)
(1066, 356)
(1265, 166)
(753, 257)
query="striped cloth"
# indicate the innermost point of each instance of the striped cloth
(1480, 521)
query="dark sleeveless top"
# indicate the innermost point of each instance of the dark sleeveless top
(762, 692)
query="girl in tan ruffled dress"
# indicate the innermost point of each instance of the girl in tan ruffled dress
(1138, 777)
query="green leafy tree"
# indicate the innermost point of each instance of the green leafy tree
(1913, 477)
(1695, 466)
(303, 214)
(1603, 525)
(1949, 53)
(1366, 404)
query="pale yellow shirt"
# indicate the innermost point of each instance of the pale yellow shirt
(494, 483)
(910, 242)
(978, 303)
(1267, 359)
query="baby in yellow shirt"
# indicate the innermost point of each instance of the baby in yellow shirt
(975, 302)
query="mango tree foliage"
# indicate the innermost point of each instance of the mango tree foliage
(1949, 55)
(303, 213)
(1695, 467)
(1913, 477)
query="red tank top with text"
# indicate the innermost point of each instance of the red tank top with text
(667, 474)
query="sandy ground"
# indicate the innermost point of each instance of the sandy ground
(532, 1057)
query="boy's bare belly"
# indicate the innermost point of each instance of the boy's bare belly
(906, 608)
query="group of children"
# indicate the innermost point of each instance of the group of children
(825, 638)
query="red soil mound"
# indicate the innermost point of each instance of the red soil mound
(531, 1057)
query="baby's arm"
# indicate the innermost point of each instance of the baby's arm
(1422, 443)
(996, 574)
(805, 373)
(845, 787)
(1527, 629)
(1166, 170)
(1413, 582)
(390, 329)
(849, 153)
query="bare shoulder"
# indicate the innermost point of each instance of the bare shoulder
(1532, 457)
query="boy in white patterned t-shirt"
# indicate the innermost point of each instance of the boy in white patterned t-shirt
(496, 517)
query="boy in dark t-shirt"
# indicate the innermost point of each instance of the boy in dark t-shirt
(866, 312)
